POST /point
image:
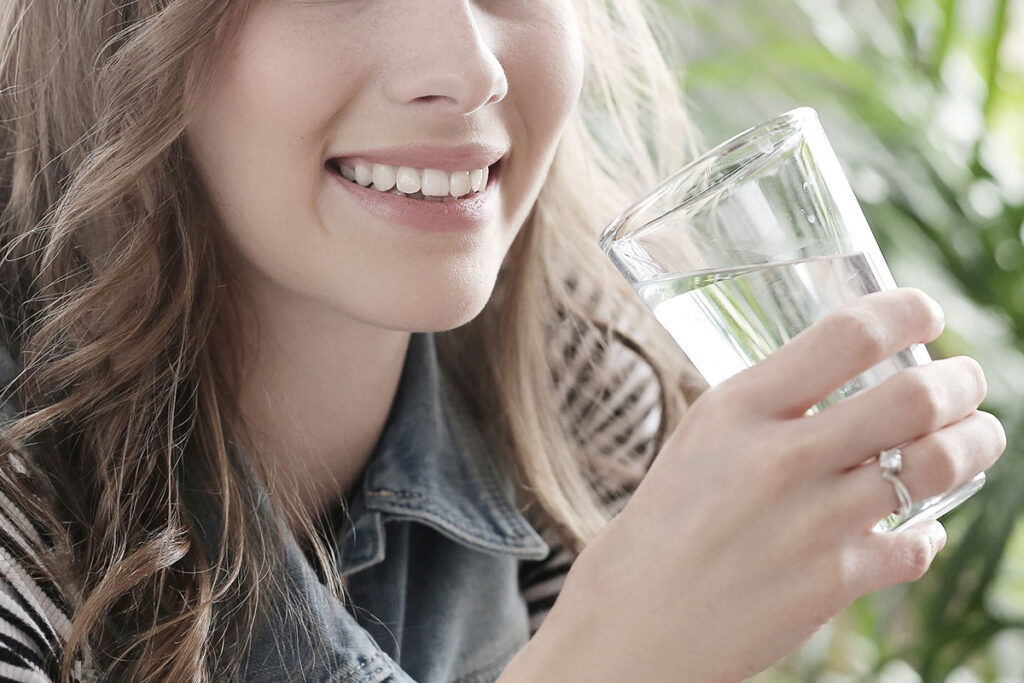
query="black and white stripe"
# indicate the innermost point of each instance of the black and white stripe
(612, 405)
(34, 617)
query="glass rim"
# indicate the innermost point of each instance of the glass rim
(794, 119)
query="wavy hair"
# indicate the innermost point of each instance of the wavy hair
(112, 295)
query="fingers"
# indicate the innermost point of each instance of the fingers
(905, 406)
(841, 346)
(873, 560)
(902, 557)
(932, 465)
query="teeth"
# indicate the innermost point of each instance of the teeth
(435, 183)
(459, 183)
(364, 174)
(383, 177)
(408, 180)
(431, 182)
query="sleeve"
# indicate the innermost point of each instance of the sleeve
(611, 404)
(34, 619)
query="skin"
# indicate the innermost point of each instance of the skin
(337, 290)
(718, 566)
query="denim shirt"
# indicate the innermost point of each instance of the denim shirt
(430, 550)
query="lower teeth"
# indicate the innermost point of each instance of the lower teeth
(420, 195)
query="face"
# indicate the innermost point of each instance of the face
(425, 93)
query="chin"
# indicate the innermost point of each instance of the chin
(443, 316)
(430, 310)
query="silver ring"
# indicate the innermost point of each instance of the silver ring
(891, 462)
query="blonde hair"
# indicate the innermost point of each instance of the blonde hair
(113, 295)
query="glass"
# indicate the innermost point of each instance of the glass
(751, 243)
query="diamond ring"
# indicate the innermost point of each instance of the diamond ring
(891, 463)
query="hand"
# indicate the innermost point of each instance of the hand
(754, 525)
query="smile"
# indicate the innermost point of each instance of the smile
(471, 211)
(427, 184)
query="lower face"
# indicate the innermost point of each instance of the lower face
(303, 88)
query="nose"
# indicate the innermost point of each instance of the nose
(445, 62)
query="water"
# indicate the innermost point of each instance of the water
(728, 320)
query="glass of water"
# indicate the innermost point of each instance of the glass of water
(750, 244)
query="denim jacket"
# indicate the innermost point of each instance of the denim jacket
(430, 550)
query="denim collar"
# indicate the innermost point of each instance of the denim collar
(433, 465)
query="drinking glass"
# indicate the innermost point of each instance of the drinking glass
(751, 243)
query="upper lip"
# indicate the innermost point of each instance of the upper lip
(443, 157)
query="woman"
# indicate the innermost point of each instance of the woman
(316, 373)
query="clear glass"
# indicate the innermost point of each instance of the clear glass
(751, 243)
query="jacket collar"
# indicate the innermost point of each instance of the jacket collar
(433, 465)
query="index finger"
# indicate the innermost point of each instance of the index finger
(842, 345)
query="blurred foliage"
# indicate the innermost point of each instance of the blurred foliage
(924, 102)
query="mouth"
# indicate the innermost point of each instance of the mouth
(421, 185)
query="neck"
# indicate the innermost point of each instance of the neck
(316, 394)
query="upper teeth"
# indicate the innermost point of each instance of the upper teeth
(430, 181)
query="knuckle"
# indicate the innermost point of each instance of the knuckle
(711, 401)
(842, 566)
(861, 331)
(922, 396)
(944, 466)
(916, 557)
(801, 445)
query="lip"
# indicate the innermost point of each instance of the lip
(455, 215)
(442, 157)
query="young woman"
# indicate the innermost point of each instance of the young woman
(314, 370)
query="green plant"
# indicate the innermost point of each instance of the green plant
(924, 101)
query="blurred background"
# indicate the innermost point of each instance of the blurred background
(924, 103)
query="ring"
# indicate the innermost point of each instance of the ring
(891, 462)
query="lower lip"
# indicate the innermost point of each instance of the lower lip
(455, 215)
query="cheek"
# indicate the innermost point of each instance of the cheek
(567, 57)
(256, 135)
(544, 65)
(274, 94)
(547, 67)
